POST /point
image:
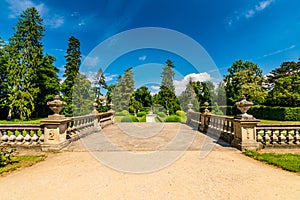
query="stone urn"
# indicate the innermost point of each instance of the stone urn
(206, 111)
(56, 106)
(190, 106)
(244, 106)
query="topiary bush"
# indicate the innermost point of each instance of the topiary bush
(122, 113)
(6, 154)
(180, 113)
(141, 114)
(173, 118)
(129, 118)
(142, 119)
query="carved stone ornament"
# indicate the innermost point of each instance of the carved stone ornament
(244, 106)
(56, 105)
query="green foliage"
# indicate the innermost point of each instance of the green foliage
(99, 82)
(6, 154)
(173, 118)
(288, 162)
(180, 113)
(204, 91)
(129, 118)
(275, 113)
(25, 52)
(143, 96)
(161, 114)
(143, 119)
(284, 83)
(188, 96)
(167, 99)
(82, 98)
(123, 90)
(221, 95)
(73, 59)
(122, 113)
(244, 78)
(134, 105)
(216, 110)
(168, 75)
(141, 114)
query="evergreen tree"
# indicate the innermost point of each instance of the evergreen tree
(166, 96)
(3, 79)
(188, 96)
(25, 51)
(99, 82)
(168, 75)
(123, 90)
(72, 66)
(143, 96)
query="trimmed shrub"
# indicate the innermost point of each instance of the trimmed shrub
(180, 113)
(142, 119)
(141, 114)
(122, 113)
(161, 114)
(173, 118)
(129, 118)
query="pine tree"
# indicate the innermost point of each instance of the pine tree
(25, 51)
(99, 82)
(72, 66)
(3, 79)
(168, 75)
(188, 96)
(166, 96)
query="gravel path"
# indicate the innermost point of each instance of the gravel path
(223, 174)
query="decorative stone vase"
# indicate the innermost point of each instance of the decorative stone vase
(56, 106)
(206, 111)
(244, 106)
(190, 106)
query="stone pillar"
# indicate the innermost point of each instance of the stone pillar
(55, 127)
(204, 118)
(245, 127)
(245, 134)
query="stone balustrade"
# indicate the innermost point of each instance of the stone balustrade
(278, 135)
(21, 134)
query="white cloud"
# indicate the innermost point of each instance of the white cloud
(180, 85)
(142, 58)
(16, 7)
(110, 77)
(155, 87)
(259, 7)
(91, 61)
(55, 22)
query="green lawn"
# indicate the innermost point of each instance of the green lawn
(289, 162)
(21, 162)
(16, 121)
(264, 121)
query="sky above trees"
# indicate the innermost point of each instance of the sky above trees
(265, 32)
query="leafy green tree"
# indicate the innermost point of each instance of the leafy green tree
(143, 96)
(25, 51)
(110, 88)
(188, 96)
(72, 66)
(245, 78)
(204, 92)
(285, 84)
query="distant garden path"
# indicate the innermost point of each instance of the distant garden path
(223, 174)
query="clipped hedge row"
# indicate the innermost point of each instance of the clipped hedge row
(267, 112)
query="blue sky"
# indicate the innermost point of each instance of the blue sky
(265, 32)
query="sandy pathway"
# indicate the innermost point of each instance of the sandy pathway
(224, 174)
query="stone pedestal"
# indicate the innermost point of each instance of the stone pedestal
(55, 133)
(150, 117)
(245, 134)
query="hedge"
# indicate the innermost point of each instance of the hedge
(267, 112)
(129, 119)
(173, 118)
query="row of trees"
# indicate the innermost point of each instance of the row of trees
(28, 77)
